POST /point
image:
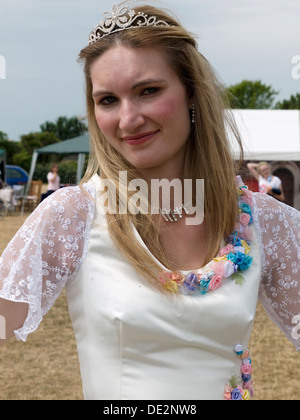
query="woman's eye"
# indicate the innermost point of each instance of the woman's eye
(150, 91)
(108, 100)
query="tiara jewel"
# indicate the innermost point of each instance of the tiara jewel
(119, 19)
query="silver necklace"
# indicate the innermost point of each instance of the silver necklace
(170, 215)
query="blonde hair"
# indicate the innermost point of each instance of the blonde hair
(208, 154)
(261, 164)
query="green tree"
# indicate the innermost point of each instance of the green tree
(3, 136)
(11, 148)
(251, 95)
(292, 103)
(21, 158)
(33, 141)
(65, 128)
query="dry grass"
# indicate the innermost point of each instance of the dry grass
(46, 366)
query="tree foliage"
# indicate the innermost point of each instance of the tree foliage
(3, 136)
(11, 148)
(251, 95)
(64, 128)
(20, 153)
(33, 141)
(292, 103)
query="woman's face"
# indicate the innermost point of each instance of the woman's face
(265, 171)
(142, 108)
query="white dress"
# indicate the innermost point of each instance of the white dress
(133, 343)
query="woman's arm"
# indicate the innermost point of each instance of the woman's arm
(278, 226)
(13, 316)
(253, 169)
(45, 254)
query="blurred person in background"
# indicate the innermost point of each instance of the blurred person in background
(267, 183)
(53, 181)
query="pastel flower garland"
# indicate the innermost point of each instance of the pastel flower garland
(232, 258)
(241, 387)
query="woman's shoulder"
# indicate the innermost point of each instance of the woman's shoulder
(267, 209)
(71, 203)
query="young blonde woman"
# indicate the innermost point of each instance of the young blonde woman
(268, 183)
(162, 308)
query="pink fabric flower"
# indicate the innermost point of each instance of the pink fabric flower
(226, 250)
(245, 219)
(164, 277)
(218, 267)
(228, 389)
(246, 369)
(227, 396)
(215, 282)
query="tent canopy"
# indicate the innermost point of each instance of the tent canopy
(78, 145)
(269, 134)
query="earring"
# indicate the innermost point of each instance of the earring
(193, 114)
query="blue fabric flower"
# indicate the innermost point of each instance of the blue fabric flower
(245, 264)
(243, 261)
(246, 378)
(236, 394)
(203, 287)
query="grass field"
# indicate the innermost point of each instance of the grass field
(46, 366)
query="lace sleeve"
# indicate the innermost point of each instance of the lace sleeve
(279, 230)
(46, 253)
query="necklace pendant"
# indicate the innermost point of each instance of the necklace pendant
(173, 215)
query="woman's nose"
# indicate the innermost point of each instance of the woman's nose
(130, 117)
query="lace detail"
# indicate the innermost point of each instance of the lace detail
(278, 227)
(47, 252)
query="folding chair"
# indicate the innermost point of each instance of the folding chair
(6, 196)
(18, 195)
(34, 196)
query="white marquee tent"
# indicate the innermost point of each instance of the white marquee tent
(270, 134)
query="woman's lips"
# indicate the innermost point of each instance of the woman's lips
(139, 138)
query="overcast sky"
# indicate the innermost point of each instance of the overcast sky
(40, 41)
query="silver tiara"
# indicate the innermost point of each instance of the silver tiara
(121, 18)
